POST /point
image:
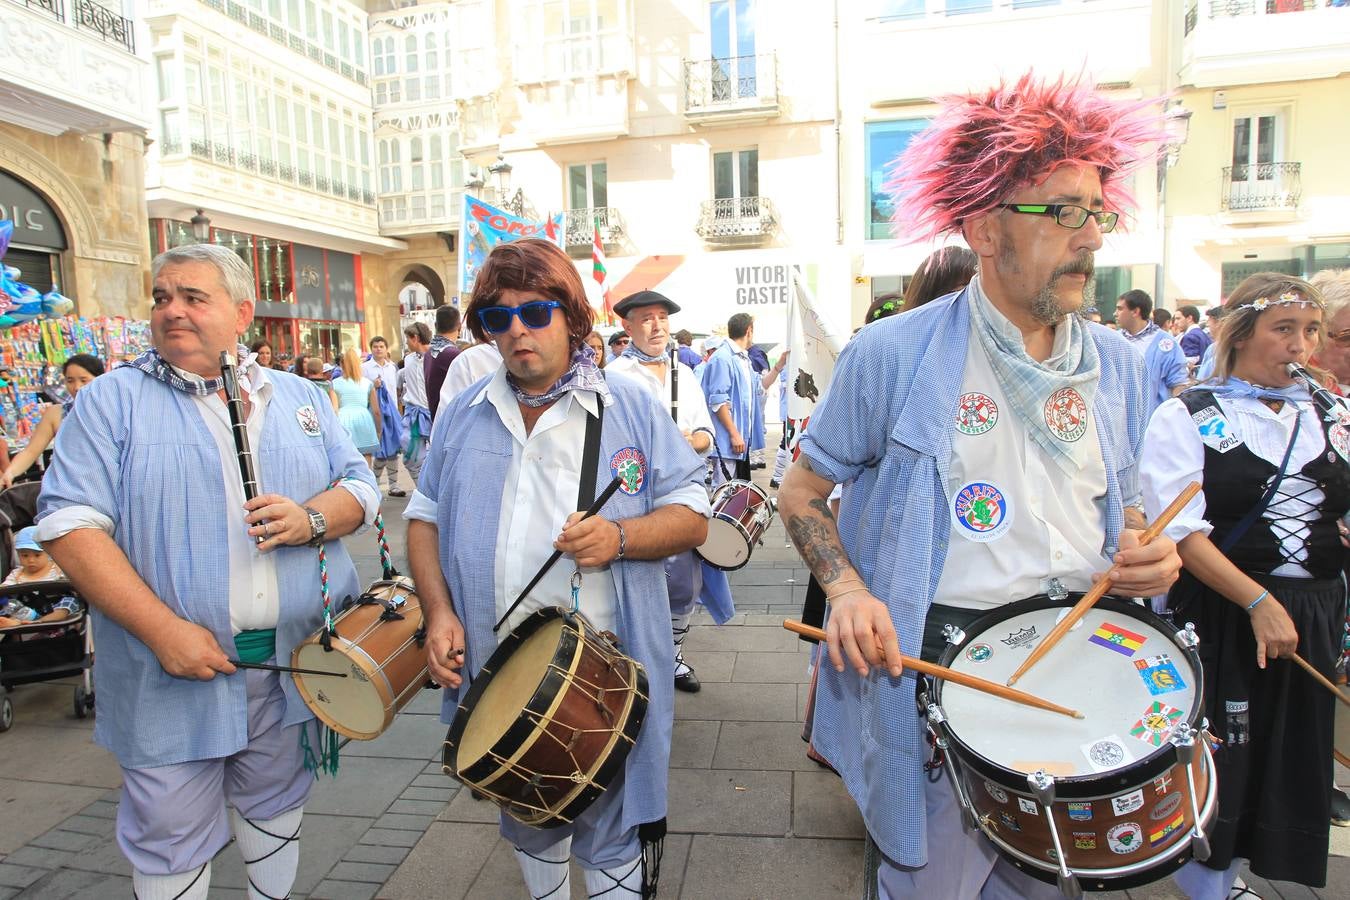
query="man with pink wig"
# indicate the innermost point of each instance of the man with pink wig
(1003, 391)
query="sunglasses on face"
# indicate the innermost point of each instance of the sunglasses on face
(1067, 214)
(535, 314)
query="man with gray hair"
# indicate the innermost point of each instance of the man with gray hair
(194, 586)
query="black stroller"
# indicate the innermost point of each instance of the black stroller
(40, 651)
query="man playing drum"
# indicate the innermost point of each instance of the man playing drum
(144, 510)
(1001, 393)
(646, 318)
(499, 493)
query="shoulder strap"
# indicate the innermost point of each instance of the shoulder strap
(1197, 399)
(590, 455)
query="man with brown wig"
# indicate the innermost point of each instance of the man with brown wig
(500, 491)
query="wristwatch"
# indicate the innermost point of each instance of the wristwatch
(318, 526)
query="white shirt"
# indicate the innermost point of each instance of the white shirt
(1174, 456)
(1052, 526)
(539, 493)
(414, 379)
(692, 414)
(472, 364)
(387, 373)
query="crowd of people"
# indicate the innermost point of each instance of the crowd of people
(986, 375)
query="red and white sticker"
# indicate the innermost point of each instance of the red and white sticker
(1066, 415)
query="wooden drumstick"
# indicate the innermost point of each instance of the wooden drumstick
(1341, 758)
(1099, 589)
(268, 667)
(955, 677)
(1320, 678)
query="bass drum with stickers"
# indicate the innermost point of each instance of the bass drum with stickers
(1119, 798)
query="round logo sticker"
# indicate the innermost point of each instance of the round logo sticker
(1126, 837)
(1165, 807)
(996, 792)
(978, 653)
(1339, 438)
(308, 419)
(630, 467)
(1107, 754)
(1166, 345)
(1066, 415)
(982, 512)
(976, 413)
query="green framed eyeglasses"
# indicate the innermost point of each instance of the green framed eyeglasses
(1067, 214)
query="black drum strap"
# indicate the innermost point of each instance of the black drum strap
(590, 456)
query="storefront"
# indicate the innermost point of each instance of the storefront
(39, 240)
(309, 299)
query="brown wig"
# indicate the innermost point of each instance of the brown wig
(946, 270)
(532, 264)
(1239, 324)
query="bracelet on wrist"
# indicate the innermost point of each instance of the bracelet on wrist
(623, 540)
(1251, 606)
(855, 590)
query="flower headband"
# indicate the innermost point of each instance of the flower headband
(885, 309)
(1288, 298)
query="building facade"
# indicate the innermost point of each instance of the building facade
(73, 120)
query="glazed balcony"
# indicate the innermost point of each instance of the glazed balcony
(731, 89)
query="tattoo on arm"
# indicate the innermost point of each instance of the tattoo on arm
(818, 543)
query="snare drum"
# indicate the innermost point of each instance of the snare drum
(379, 646)
(742, 512)
(1117, 799)
(549, 719)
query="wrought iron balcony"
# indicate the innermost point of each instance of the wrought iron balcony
(112, 27)
(1219, 9)
(737, 220)
(54, 7)
(731, 87)
(1264, 187)
(580, 225)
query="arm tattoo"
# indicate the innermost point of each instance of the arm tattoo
(818, 543)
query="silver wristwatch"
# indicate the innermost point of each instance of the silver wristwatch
(318, 526)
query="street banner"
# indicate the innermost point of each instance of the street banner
(814, 345)
(484, 227)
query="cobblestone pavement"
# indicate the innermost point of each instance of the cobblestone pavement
(750, 816)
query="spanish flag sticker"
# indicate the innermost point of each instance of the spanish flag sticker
(1113, 637)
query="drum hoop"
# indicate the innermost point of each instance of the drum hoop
(1099, 785)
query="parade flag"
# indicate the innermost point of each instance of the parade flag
(1113, 637)
(600, 273)
(484, 226)
(813, 347)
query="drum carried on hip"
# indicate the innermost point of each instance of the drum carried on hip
(549, 720)
(1117, 799)
(379, 644)
(742, 512)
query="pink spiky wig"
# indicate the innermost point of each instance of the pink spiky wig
(982, 148)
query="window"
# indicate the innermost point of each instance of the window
(885, 141)
(410, 53)
(587, 186)
(961, 7)
(417, 171)
(167, 88)
(437, 162)
(1261, 176)
(887, 10)
(736, 174)
(732, 31)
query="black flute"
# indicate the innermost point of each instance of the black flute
(675, 383)
(234, 404)
(1330, 405)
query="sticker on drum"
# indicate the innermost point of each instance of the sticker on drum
(1080, 811)
(1127, 803)
(999, 795)
(1160, 674)
(978, 653)
(1117, 638)
(1085, 840)
(1126, 837)
(1009, 822)
(1107, 753)
(1028, 806)
(1164, 831)
(1157, 723)
(1165, 807)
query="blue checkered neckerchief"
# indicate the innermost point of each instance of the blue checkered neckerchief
(1029, 385)
(438, 344)
(583, 375)
(633, 351)
(1144, 333)
(152, 364)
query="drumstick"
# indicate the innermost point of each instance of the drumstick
(557, 554)
(946, 674)
(1099, 589)
(1341, 757)
(1320, 678)
(267, 667)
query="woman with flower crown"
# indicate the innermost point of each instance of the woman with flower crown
(1263, 556)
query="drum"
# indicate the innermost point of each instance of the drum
(379, 647)
(548, 721)
(742, 512)
(1119, 798)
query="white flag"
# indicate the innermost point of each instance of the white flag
(813, 347)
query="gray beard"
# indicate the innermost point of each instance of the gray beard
(1046, 308)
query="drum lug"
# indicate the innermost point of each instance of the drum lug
(1187, 637)
(953, 634)
(1043, 787)
(1183, 739)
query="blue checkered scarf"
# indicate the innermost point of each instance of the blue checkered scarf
(1029, 384)
(152, 364)
(633, 351)
(582, 375)
(438, 344)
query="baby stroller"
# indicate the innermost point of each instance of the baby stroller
(39, 651)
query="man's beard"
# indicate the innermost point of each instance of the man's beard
(1046, 307)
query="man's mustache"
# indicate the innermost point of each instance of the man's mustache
(1083, 265)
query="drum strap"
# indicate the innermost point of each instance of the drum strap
(590, 457)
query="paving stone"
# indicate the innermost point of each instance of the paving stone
(466, 809)
(732, 802)
(103, 857)
(410, 737)
(767, 746)
(74, 884)
(821, 807)
(387, 837)
(432, 795)
(693, 743)
(369, 853)
(747, 868)
(709, 637)
(32, 808)
(711, 665)
(59, 755)
(83, 824)
(101, 809)
(428, 808)
(39, 857)
(765, 576)
(772, 668)
(755, 593)
(426, 702)
(373, 873)
(404, 822)
(740, 702)
(365, 785)
(324, 842)
(16, 876)
(346, 890)
(444, 863)
(58, 839)
(7, 892)
(437, 779)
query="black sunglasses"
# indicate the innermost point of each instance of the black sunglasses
(536, 314)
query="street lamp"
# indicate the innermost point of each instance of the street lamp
(201, 227)
(475, 183)
(501, 170)
(1177, 121)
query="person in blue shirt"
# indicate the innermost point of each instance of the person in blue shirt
(1164, 361)
(733, 393)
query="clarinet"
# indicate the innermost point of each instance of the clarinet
(239, 428)
(675, 383)
(1332, 407)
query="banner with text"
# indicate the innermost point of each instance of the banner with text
(484, 227)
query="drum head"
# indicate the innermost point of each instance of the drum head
(351, 705)
(510, 691)
(727, 545)
(1120, 666)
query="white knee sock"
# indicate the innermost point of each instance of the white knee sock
(780, 463)
(679, 630)
(271, 851)
(183, 886)
(620, 882)
(547, 876)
